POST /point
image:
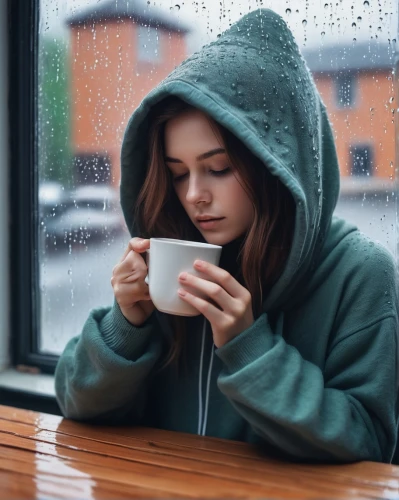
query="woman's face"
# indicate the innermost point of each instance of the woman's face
(204, 180)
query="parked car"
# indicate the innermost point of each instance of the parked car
(88, 213)
(51, 198)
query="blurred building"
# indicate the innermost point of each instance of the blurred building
(356, 83)
(119, 52)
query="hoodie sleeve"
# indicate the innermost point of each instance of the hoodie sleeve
(102, 375)
(347, 412)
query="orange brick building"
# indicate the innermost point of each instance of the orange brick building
(119, 52)
(357, 86)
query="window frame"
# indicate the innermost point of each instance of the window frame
(23, 34)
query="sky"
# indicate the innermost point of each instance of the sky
(313, 22)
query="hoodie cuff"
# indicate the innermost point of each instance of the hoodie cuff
(122, 337)
(248, 346)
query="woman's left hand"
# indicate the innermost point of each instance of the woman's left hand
(234, 312)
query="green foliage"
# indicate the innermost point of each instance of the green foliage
(54, 133)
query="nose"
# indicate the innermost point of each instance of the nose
(198, 191)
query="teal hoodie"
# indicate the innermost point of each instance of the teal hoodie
(315, 376)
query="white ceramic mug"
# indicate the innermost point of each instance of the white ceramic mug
(166, 259)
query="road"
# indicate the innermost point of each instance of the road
(76, 280)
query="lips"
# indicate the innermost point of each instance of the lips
(210, 224)
(206, 219)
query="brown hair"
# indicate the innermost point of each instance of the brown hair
(267, 242)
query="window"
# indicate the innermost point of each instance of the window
(92, 169)
(74, 84)
(148, 44)
(362, 160)
(345, 90)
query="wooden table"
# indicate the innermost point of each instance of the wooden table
(47, 457)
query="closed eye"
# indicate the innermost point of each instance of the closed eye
(216, 173)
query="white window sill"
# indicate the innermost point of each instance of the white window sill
(40, 384)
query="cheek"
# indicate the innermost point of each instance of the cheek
(180, 194)
(239, 198)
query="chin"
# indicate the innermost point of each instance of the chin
(217, 238)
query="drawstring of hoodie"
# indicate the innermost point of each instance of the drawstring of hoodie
(202, 421)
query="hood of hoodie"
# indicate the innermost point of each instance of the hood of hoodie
(254, 81)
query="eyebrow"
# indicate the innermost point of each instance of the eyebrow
(203, 156)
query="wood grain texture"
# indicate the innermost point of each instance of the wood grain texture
(46, 456)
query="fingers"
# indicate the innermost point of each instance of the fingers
(222, 278)
(128, 280)
(138, 245)
(131, 269)
(125, 291)
(128, 283)
(210, 310)
(209, 289)
(219, 287)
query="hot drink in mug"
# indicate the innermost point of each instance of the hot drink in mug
(166, 259)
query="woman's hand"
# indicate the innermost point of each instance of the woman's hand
(131, 291)
(229, 310)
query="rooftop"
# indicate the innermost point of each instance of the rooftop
(354, 57)
(136, 10)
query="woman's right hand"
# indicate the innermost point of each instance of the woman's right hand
(130, 290)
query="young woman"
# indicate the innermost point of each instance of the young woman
(296, 346)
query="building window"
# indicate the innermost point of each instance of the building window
(92, 169)
(345, 90)
(148, 44)
(361, 161)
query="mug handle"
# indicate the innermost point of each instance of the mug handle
(148, 260)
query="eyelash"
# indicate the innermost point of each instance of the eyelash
(216, 173)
